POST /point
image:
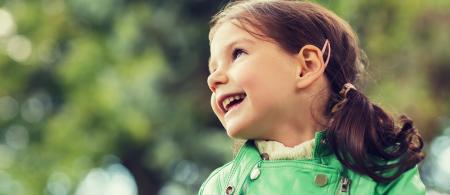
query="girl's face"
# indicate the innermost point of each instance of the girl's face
(259, 75)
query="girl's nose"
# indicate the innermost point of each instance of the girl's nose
(217, 78)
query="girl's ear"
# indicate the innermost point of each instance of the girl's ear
(311, 65)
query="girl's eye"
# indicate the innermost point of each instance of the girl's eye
(237, 53)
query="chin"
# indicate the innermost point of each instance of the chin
(239, 134)
(232, 133)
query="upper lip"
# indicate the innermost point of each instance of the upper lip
(221, 98)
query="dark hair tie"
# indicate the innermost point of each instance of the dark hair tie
(345, 89)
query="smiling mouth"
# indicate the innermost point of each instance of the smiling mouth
(232, 101)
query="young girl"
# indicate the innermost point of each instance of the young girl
(283, 77)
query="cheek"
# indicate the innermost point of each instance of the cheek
(214, 105)
(246, 75)
(255, 78)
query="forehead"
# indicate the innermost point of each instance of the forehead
(225, 36)
(229, 32)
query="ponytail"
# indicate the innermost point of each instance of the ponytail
(366, 139)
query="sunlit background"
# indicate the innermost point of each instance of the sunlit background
(109, 97)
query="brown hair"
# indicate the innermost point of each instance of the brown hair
(362, 135)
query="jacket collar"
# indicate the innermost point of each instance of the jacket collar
(321, 149)
(248, 157)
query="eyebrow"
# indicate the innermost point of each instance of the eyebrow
(228, 46)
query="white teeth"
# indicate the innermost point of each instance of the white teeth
(228, 100)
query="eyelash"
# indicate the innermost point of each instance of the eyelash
(237, 52)
(234, 55)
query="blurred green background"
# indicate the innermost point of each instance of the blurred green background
(110, 96)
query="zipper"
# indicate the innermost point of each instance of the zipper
(345, 185)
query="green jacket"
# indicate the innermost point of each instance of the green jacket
(250, 173)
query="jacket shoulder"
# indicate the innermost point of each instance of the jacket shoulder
(215, 180)
(408, 183)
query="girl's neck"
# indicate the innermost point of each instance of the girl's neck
(303, 125)
(290, 136)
